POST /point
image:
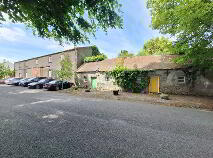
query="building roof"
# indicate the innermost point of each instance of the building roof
(154, 62)
(76, 48)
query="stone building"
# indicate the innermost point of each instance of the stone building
(165, 76)
(44, 66)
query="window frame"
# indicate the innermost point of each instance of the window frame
(62, 57)
(50, 59)
(49, 72)
(181, 79)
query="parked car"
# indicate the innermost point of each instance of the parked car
(12, 81)
(8, 81)
(30, 80)
(57, 85)
(21, 82)
(40, 84)
(16, 81)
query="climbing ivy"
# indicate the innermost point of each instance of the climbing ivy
(95, 58)
(130, 80)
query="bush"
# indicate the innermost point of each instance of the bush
(95, 58)
(134, 80)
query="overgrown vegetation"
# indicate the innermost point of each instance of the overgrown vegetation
(95, 51)
(5, 71)
(65, 73)
(95, 58)
(125, 53)
(157, 46)
(190, 21)
(130, 80)
(72, 21)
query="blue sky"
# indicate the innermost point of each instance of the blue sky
(18, 43)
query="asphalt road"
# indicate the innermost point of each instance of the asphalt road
(35, 123)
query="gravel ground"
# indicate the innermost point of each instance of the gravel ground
(37, 123)
(199, 102)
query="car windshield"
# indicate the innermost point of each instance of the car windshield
(16, 79)
(53, 82)
(24, 79)
(9, 79)
(43, 80)
(31, 79)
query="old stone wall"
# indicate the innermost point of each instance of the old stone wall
(169, 82)
(103, 81)
(202, 85)
(45, 66)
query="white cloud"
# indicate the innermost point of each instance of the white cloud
(55, 46)
(11, 34)
(7, 59)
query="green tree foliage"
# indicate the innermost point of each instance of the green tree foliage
(130, 80)
(191, 22)
(125, 53)
(64, 20)
(95, 58)
(66, 72)
(5, 71)
(95, 51)
(157, 46)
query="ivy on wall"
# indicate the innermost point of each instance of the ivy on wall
(95, 58)
(130, 80)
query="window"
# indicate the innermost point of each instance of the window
(50, 59)
(36, 61)
(62, 57)
(138, 81)
(107, 78)
(50, 73)
(26, 75)
(181, 79)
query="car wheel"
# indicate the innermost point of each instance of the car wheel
(57, 88)
(37, 87)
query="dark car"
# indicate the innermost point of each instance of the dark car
(16, 81)
(40, 84)
(57, 85)
(21, 82)
(30, 80)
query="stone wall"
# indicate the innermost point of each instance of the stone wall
(203, 84)
(103, 82)
(169, 82)
(40, 66)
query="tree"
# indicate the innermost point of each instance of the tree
(191, 22)
(125, 53)
(157, 46)
(95, 51)
(64, 20)
(65, 73)
(5, 71)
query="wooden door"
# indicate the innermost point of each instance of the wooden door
(154, 85)
(94, 82)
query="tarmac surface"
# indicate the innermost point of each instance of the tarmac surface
(39, 123)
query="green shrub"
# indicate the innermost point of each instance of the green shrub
(95, 58)
(130, 80)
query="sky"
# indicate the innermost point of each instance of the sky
(18, 43)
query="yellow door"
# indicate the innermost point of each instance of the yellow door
(154, 85)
